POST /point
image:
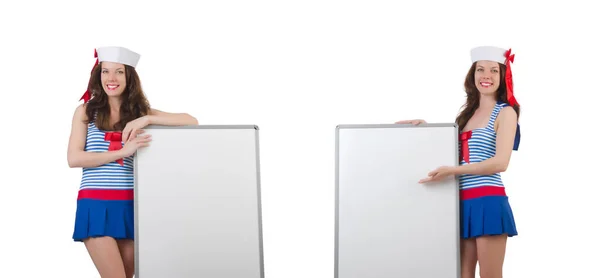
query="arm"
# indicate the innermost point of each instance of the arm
(76, 155)
(507, 126)
(157, 117)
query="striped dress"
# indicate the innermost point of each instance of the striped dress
(485, 209)
(105, 198)
(108, 176)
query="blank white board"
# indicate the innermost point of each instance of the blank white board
(387, 224)
(197, 203)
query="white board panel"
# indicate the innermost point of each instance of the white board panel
(387, 224)
(197, 203)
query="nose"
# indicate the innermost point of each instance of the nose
(487, 74)
(112, 76)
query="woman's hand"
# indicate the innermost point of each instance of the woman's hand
(131, 128)
(438, 174)
(135, 143)
(414, 122)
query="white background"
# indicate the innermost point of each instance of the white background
(297, 69)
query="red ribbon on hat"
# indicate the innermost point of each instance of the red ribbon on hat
(115, 143)
(464, 138)
(508, 78)
(86, 96)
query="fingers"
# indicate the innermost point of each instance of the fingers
(133, 134)
(428, 179)
(144, 142)
(407, 122)
(130, 131)
(126, 135)
(130, 135)
(431, 176)
(136, 133)
(425, 180)
(435, 177)
(413, 122)
(142, 139)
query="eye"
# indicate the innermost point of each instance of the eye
(121, 72)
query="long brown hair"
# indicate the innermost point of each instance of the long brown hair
(473, 96)
(133, 101)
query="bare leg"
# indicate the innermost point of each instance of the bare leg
(104, 252)
(468, 257)
(490, 252)
(126, 248)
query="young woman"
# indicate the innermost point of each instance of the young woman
(104, 137)
(489, 132)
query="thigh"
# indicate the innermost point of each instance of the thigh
(468, 257)
(105, 254)
(490, 253)
(126, 248)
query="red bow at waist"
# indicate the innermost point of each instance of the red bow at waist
(115, 143)
(464, 138)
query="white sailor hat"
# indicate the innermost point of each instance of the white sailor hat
(117, 54)
(488, 53)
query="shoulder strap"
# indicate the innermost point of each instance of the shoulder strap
(494, 114)
(499, 106)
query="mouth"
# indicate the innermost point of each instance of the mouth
(486, 84)
(112, 87)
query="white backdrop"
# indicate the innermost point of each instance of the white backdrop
(297, 69)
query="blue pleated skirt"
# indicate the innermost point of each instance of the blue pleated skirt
(488, 215)
(97, 218)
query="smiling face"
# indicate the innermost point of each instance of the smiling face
(487, 77)
(113, 78)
